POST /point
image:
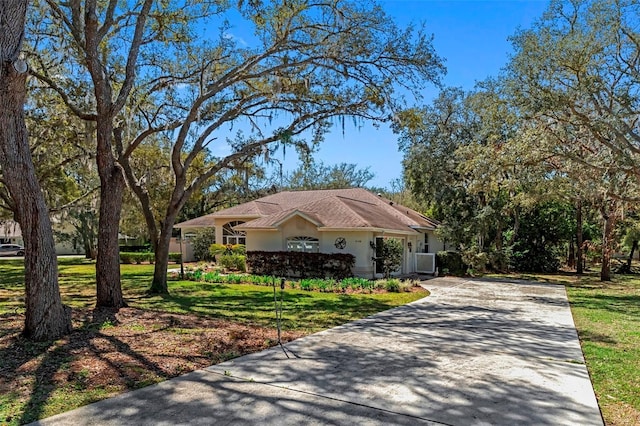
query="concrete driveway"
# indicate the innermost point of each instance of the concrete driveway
(473, 353)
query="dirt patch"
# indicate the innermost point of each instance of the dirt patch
(109, 353)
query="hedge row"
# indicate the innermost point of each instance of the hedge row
(300, 264)
(131, 258)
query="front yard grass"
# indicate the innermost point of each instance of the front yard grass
(155, 338)
(607, 317)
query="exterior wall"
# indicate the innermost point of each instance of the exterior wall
(187, 249)
(435, 243)
(358, 244)
(298, 227)
(264, 241)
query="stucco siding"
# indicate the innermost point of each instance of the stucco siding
(264, 241)
(298, 227)
(357, 245)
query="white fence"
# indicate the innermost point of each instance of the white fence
(425, 263)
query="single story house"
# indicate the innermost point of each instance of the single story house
(329, 221)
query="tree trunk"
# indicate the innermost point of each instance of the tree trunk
(159, 283)
(571, 257)
(634, 247)
(108, 288)
(607, 234)
(579, 239)
(46, 318)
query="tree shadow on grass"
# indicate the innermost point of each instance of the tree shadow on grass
(54, 357)
(628, 305)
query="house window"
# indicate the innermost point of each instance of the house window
(306, 244)
(426, 242)
(231, 236)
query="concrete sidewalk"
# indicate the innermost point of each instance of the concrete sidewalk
(474, 352)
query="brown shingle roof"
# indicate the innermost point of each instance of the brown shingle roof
(333, 208)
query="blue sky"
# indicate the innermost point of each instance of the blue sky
(470, 34)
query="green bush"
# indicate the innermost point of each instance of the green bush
(391, 256)
(212, 277)
(233, 262)
(238, 249)
(450, 262)
(300, 264)
(131, 258)
(201, 243)
(234, 279)
(175, 257)
(476, 259)
(392, 285)
(221, 249)
(217, 249)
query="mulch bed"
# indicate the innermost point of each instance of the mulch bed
(120, 351)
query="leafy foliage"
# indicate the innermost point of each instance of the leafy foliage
(201, 243)
(450, 262)
(301, 264)
(540, 242)
(233, 262)
(391, 256)
(311, 175)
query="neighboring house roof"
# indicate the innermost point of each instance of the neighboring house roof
(354, 208)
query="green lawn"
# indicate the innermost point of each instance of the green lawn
(304, 310)
(607, 317)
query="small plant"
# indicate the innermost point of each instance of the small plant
(234, 279)
(106, 324)
(392, 285)
(233, 262)
(212, 277)
(306, 285)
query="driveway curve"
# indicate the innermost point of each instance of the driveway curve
(475, 352)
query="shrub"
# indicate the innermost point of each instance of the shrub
(131, 258)
(233, 262)
(194, 275)
(217, 249)
(300, 264)
(392, 285)
(391, 256)
(238, 249)
(201, 243)
(175, 257)
(212, 277)
(234, 279)
(450, 262)
(476, 259)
